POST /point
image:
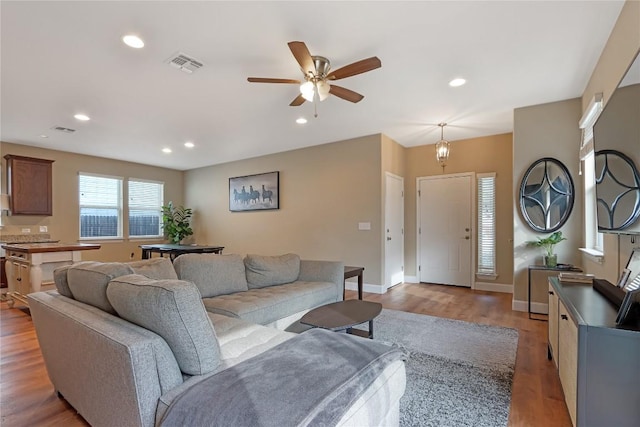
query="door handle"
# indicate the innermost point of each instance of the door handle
(388, 238)
(466, 237)
(564, 317)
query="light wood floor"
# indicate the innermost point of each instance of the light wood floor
(27, 397)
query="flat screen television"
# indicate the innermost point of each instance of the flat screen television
(616, 139)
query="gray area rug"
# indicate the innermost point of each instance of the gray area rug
(458, 373)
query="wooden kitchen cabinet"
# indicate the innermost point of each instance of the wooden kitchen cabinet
(30, 186)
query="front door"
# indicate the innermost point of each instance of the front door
(444, 229)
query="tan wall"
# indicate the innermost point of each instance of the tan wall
(64, 224)
(478, 155)
(548, 130)
(619, 52)
(325, 191)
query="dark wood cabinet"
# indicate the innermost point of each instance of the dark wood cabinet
(29, 184)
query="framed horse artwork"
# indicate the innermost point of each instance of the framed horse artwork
(257, 192)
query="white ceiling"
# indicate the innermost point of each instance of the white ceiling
(61, 58)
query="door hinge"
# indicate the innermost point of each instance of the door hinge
(402, 194)
(402, 231)
(419, 193)
(402, 268)
(419, 268)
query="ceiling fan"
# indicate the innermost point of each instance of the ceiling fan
(318, 75)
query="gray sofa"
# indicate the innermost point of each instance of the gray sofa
(121, 347)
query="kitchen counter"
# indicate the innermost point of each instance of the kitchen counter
(29, 266)
(33, 248)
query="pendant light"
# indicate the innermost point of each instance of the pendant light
(442, 148)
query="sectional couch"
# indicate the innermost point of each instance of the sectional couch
(122, 342)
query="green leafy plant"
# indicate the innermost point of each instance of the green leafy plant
(547, 243)
(176, 222)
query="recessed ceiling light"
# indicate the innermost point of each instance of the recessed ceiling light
(44, 136)
(457, 82)
(82, 117)
(166, 150)
(189, 144)
(301, 120)
(133, 41)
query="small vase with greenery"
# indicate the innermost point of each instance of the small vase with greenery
(548, 243)
(176, 222)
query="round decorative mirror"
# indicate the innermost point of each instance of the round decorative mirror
(546, 195)
(617, 190)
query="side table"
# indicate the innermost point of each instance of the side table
(543, 268)
(350, 271)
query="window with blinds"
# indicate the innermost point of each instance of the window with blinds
(145, 208)
(486, 224)
(100, 206)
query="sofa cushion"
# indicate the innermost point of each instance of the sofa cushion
(155, 268)
(213, 274)
(265, 271)
(60, 279)
(266, 305)
(173, 309)
(88, 281)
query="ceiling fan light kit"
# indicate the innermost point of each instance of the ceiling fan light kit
(317, 76)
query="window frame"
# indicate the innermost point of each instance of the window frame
(119, 207)
(149, 207)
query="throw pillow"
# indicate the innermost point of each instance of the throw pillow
(213, 274)
(263, 271)
(88, 281)
(172, 309)
(155, 268)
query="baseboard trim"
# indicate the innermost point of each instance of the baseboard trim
(493, 287)
(411, 279)
(536, 307)
(366, 287)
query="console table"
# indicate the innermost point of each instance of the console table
(176, 250)
(597, 361)
(543, 268)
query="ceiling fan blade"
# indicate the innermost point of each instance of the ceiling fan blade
(345, 94)
(268, 80)
(356, 68)
(302, 55)
(298, 101)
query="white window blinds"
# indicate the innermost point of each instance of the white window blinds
(145, 208)
(487, 224)
(100, 206)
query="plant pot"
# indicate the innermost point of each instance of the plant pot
(550, 260)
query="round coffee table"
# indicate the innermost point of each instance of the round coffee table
(343, 315)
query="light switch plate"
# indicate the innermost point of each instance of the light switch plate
(364, 226)
(44, 228)
(26, 230)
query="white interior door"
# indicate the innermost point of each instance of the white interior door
(444, 229)
(394, 230)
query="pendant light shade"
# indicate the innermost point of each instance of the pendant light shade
(442, 148)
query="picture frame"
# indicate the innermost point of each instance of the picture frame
(624, 277)
(258, 192)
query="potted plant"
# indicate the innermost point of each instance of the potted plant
(176, 222)
(548, 243)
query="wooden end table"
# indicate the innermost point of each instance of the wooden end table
(350, 271)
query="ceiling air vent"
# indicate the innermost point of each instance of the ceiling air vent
(184, 62)
(63, 129)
